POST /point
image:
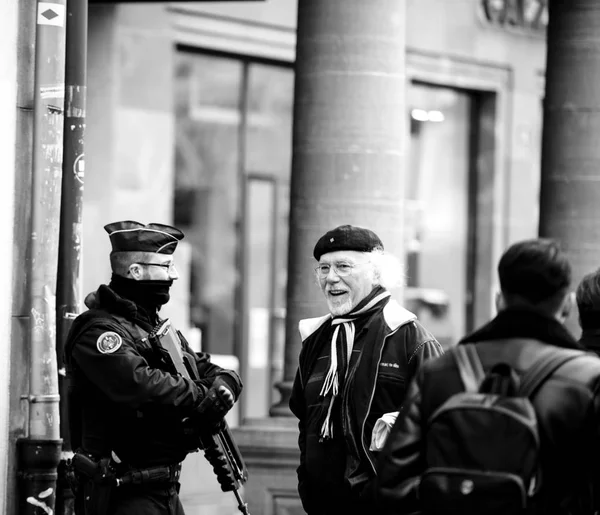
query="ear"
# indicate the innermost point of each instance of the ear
(566, 307)
(135, 271)
(500, 302)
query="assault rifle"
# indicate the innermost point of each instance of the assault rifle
(219, 447)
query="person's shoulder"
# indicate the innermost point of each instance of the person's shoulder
(309, 326)
(396, 316)
(406, 324)
(584, 369)
(94, 320)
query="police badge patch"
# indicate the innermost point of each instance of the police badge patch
(108, 342)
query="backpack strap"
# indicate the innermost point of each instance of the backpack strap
(542, 369)
(469, 366)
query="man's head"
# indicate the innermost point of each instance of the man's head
(346, 272)
(588, 301)
(143, 252)
(537, 274)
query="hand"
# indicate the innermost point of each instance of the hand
(225, 397)
(218, 401)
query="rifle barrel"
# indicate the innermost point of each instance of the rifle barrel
(242, 506)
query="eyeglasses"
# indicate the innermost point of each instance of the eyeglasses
(341, 269)
(169, 267)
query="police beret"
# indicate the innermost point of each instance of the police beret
(347, 237)
(129, 236)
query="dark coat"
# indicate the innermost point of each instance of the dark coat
(399, 345)
(590, 339)
(121, 400)
(567, 407)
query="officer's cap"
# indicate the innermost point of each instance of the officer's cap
(130, 236)
(347, 237)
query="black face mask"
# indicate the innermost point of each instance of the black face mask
(148, 294)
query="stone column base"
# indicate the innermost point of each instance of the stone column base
(270, 450)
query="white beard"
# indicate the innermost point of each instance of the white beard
(339, 308)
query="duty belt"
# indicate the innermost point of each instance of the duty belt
(106, 471)
(152, 475)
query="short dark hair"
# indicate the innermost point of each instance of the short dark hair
(535, 272)
(120, 261)
(588, 300)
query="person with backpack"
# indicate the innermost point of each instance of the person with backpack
(507, 421)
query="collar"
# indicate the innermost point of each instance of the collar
(105, 298)
(394, 316)
(525, 323)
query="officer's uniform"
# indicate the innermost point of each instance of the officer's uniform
(123, 404)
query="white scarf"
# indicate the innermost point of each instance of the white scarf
(331, 383)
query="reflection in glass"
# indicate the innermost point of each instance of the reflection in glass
(437, 208)
(206, 192)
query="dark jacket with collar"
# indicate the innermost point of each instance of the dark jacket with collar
(123, 400)
(567, 406)
(399, 345)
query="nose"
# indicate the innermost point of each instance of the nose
(173, 273)
(332, 276)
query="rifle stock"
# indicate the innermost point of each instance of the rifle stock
(219, 447)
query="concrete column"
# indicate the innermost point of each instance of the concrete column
(570, 187)
(348, 163)
(348, 141)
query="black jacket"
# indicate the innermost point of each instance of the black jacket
(567, 406)
(400, 345)
(121, 399)
(590, 339)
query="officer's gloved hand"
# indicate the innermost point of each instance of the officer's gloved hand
(218, 401)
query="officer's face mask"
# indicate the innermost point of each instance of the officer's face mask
(154, 293)
(147, 292)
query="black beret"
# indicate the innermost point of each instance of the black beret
(130, 236)
(347, 237)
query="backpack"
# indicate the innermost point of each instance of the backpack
(482, 446)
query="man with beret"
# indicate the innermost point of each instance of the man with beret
(354, 368)
(126, 410)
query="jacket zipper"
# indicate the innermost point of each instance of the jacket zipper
(362, 430)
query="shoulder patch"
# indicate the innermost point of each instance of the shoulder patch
(109, 342)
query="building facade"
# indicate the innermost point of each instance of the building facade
(189, 121)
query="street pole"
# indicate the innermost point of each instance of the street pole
(570, 185)
(68, 295)
(39, 451)
(348, 142)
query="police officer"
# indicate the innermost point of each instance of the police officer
(127, 412)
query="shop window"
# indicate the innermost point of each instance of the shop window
(208, 93)
(447, 213)
(233, 162)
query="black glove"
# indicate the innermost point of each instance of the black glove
(218, 401)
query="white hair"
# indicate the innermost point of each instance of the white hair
(388, 269)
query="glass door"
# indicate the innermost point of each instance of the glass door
(440, 183)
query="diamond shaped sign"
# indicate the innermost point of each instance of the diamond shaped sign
(51, 14)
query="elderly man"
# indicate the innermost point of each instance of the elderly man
(126, 407)
(355, 365)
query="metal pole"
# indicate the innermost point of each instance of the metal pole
(39, 452)
(68, 294)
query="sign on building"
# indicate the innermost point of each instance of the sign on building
(529, 15)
